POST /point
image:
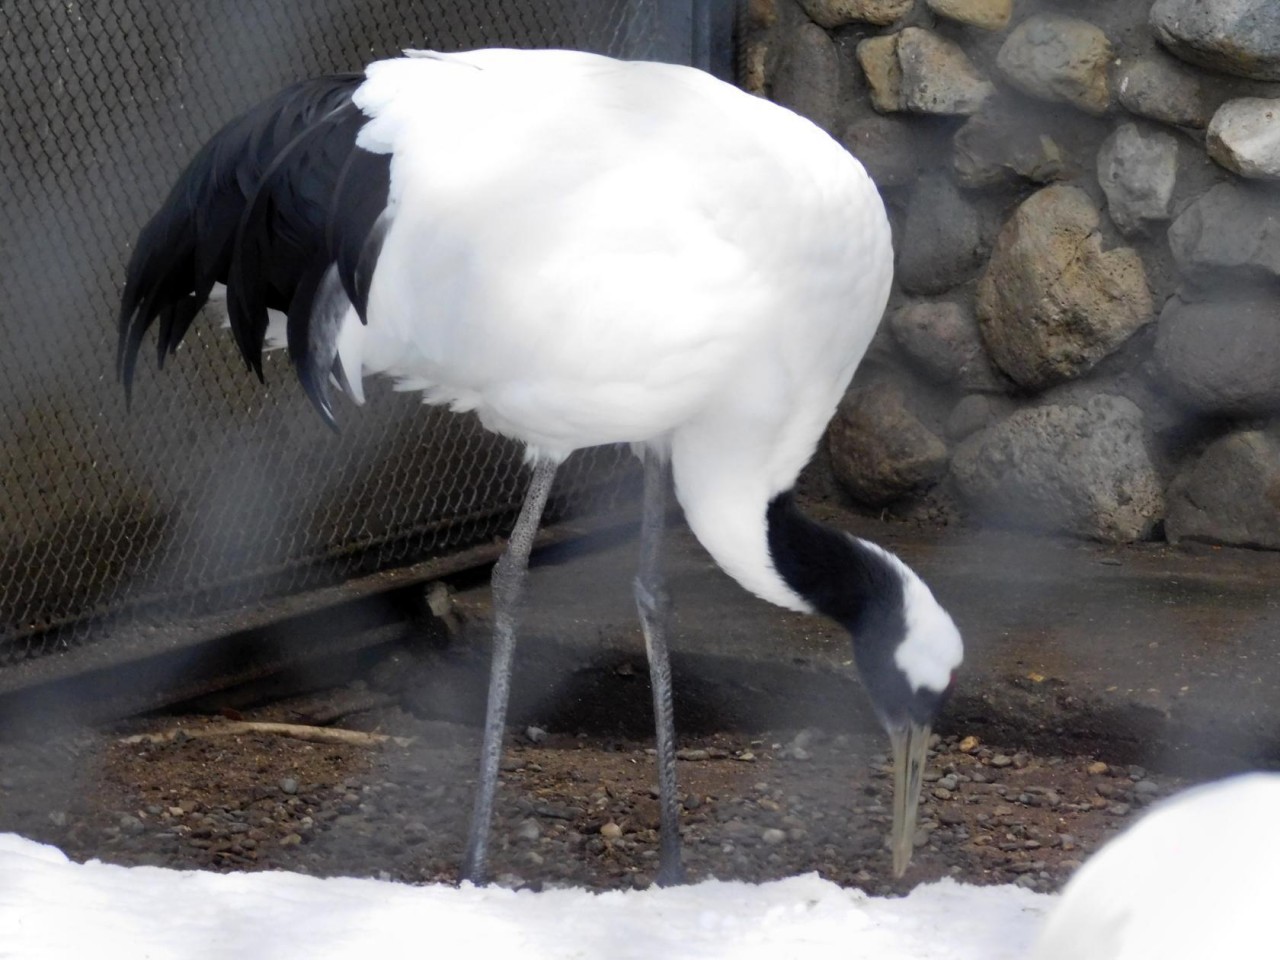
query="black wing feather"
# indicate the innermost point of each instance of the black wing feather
(265, 206)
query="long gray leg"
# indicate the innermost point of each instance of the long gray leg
(508, 585)
(655, 607)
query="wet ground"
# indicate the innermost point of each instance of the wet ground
(1097, 680)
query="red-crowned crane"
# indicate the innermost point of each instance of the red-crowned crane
(583, 251)
(1194, 878)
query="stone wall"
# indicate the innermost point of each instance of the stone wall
(1084, 335)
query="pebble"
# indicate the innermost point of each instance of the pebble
(529, 830)
(1001, 760)
(693, 754)
(773, 836)
(1146, 787)
(1119, 809)
(289, 786)
(1097, 768)
(611, 831)
(130, 824)
(968, 744)
(949, 782)
(535, 734)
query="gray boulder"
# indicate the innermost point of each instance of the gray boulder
(941, 243)
(1156, 88)
(1137, 172)
(807, 78)
(997, 145)
(1244, 136)
(1076, 468)
(1230, 232)
(1240, 37)
(1230, 495)
(1059, 58)
(942, 339)
(888, 147)
(1222, 357)
(1052, 302)
(880, 450)
(974, 411)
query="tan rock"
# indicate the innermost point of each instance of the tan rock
(1061, 59)
(1052, 302)
(985, 14)
(840, 13)
(937, 76)
(878, 57)
(918, 71)
(754, 75)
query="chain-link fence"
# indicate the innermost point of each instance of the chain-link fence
(214, 492)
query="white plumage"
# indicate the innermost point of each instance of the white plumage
(1195, 879)
(654, 306)
(583, 251)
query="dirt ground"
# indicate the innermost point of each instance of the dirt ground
(1082, 661)
(574, 807)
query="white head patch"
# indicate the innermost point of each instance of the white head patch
(932, 649)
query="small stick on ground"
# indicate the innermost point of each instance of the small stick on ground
(297, 731)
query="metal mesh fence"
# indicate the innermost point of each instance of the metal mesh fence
(214, 492)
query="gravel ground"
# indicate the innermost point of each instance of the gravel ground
(574, 807)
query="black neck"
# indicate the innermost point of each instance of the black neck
(841, 577)
(858, 587)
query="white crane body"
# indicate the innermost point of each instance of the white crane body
(582, 251)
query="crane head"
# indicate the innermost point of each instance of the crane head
(908, 650)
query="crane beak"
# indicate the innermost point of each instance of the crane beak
(910, 743)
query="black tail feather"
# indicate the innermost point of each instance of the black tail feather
(359, 200)
(265, 207)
